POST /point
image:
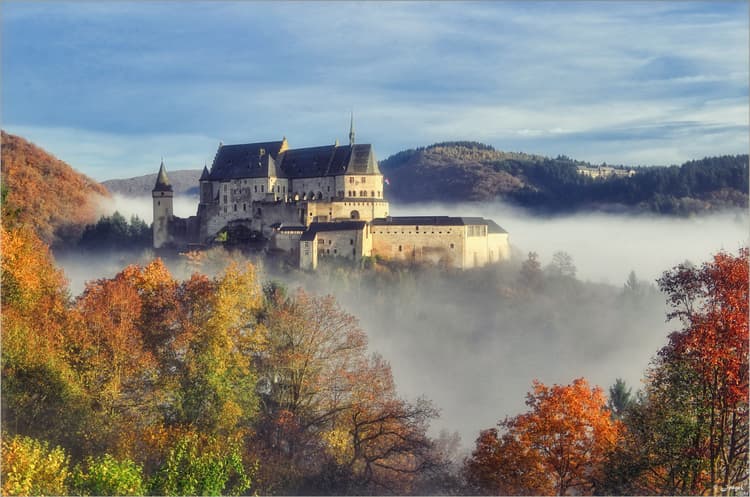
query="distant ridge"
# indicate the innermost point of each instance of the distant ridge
(472, 171)
(184, 182)
(46, 193)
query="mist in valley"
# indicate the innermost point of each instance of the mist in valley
(183, 206)
(474, 341)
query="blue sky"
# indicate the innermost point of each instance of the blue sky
(111, 87)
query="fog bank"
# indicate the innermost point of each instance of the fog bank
(183, 206)
(469, 341)
(606, 247)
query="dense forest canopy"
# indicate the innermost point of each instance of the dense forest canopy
(456, 171)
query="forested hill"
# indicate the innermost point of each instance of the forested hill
(46, 193)
(461, 171)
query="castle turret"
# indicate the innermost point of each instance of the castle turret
(162, 196)
(205, 187)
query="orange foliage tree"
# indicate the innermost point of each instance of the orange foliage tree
(559, 446)
(689, 434)
(40, 393)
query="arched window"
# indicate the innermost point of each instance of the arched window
(354, 215)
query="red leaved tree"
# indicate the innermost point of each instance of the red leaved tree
(559, 446)
(712, 303)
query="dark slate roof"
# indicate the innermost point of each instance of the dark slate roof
(492, 227)
(427, 221)
(162, 182)
(250, 160)
(316, 228)
(204, 174)
(473, 220)
(307, 162)
(284, 229)
(246, 161)
(329, 160)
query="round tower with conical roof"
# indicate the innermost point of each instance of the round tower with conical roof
(162, 196)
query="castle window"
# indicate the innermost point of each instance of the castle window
(399, 248)
(364, 178)
(261, 188)
(451, 245)
(329, 242)
(378, 193)
(225, 209)
(256, 188)
(235, 207)
(351, 242)
(260, 212)
(334, 251)
(351, 179)
(244, 207)
(225, 187)
(372, 193)
(225, 199)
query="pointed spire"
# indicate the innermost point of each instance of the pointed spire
(162, 182)
(204, 175)
(351, 130)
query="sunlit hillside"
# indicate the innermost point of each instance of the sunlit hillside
(46, 192)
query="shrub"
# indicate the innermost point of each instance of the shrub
(108, 476)
(30, 467)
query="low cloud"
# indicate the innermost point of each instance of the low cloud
(474, 349)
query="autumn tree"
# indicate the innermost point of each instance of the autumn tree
(689, 432)
(41, 396)
(559, 446)
(331, 420)
(379, 439)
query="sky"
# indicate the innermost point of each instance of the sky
(112, 87)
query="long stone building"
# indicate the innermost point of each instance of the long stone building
(317, 202)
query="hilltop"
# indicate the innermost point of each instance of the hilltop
(470, 171)
(47, 193)
(184, 182)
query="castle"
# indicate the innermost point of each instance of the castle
(317, 202)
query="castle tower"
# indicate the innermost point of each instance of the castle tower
(162, 197)
(205, 187)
